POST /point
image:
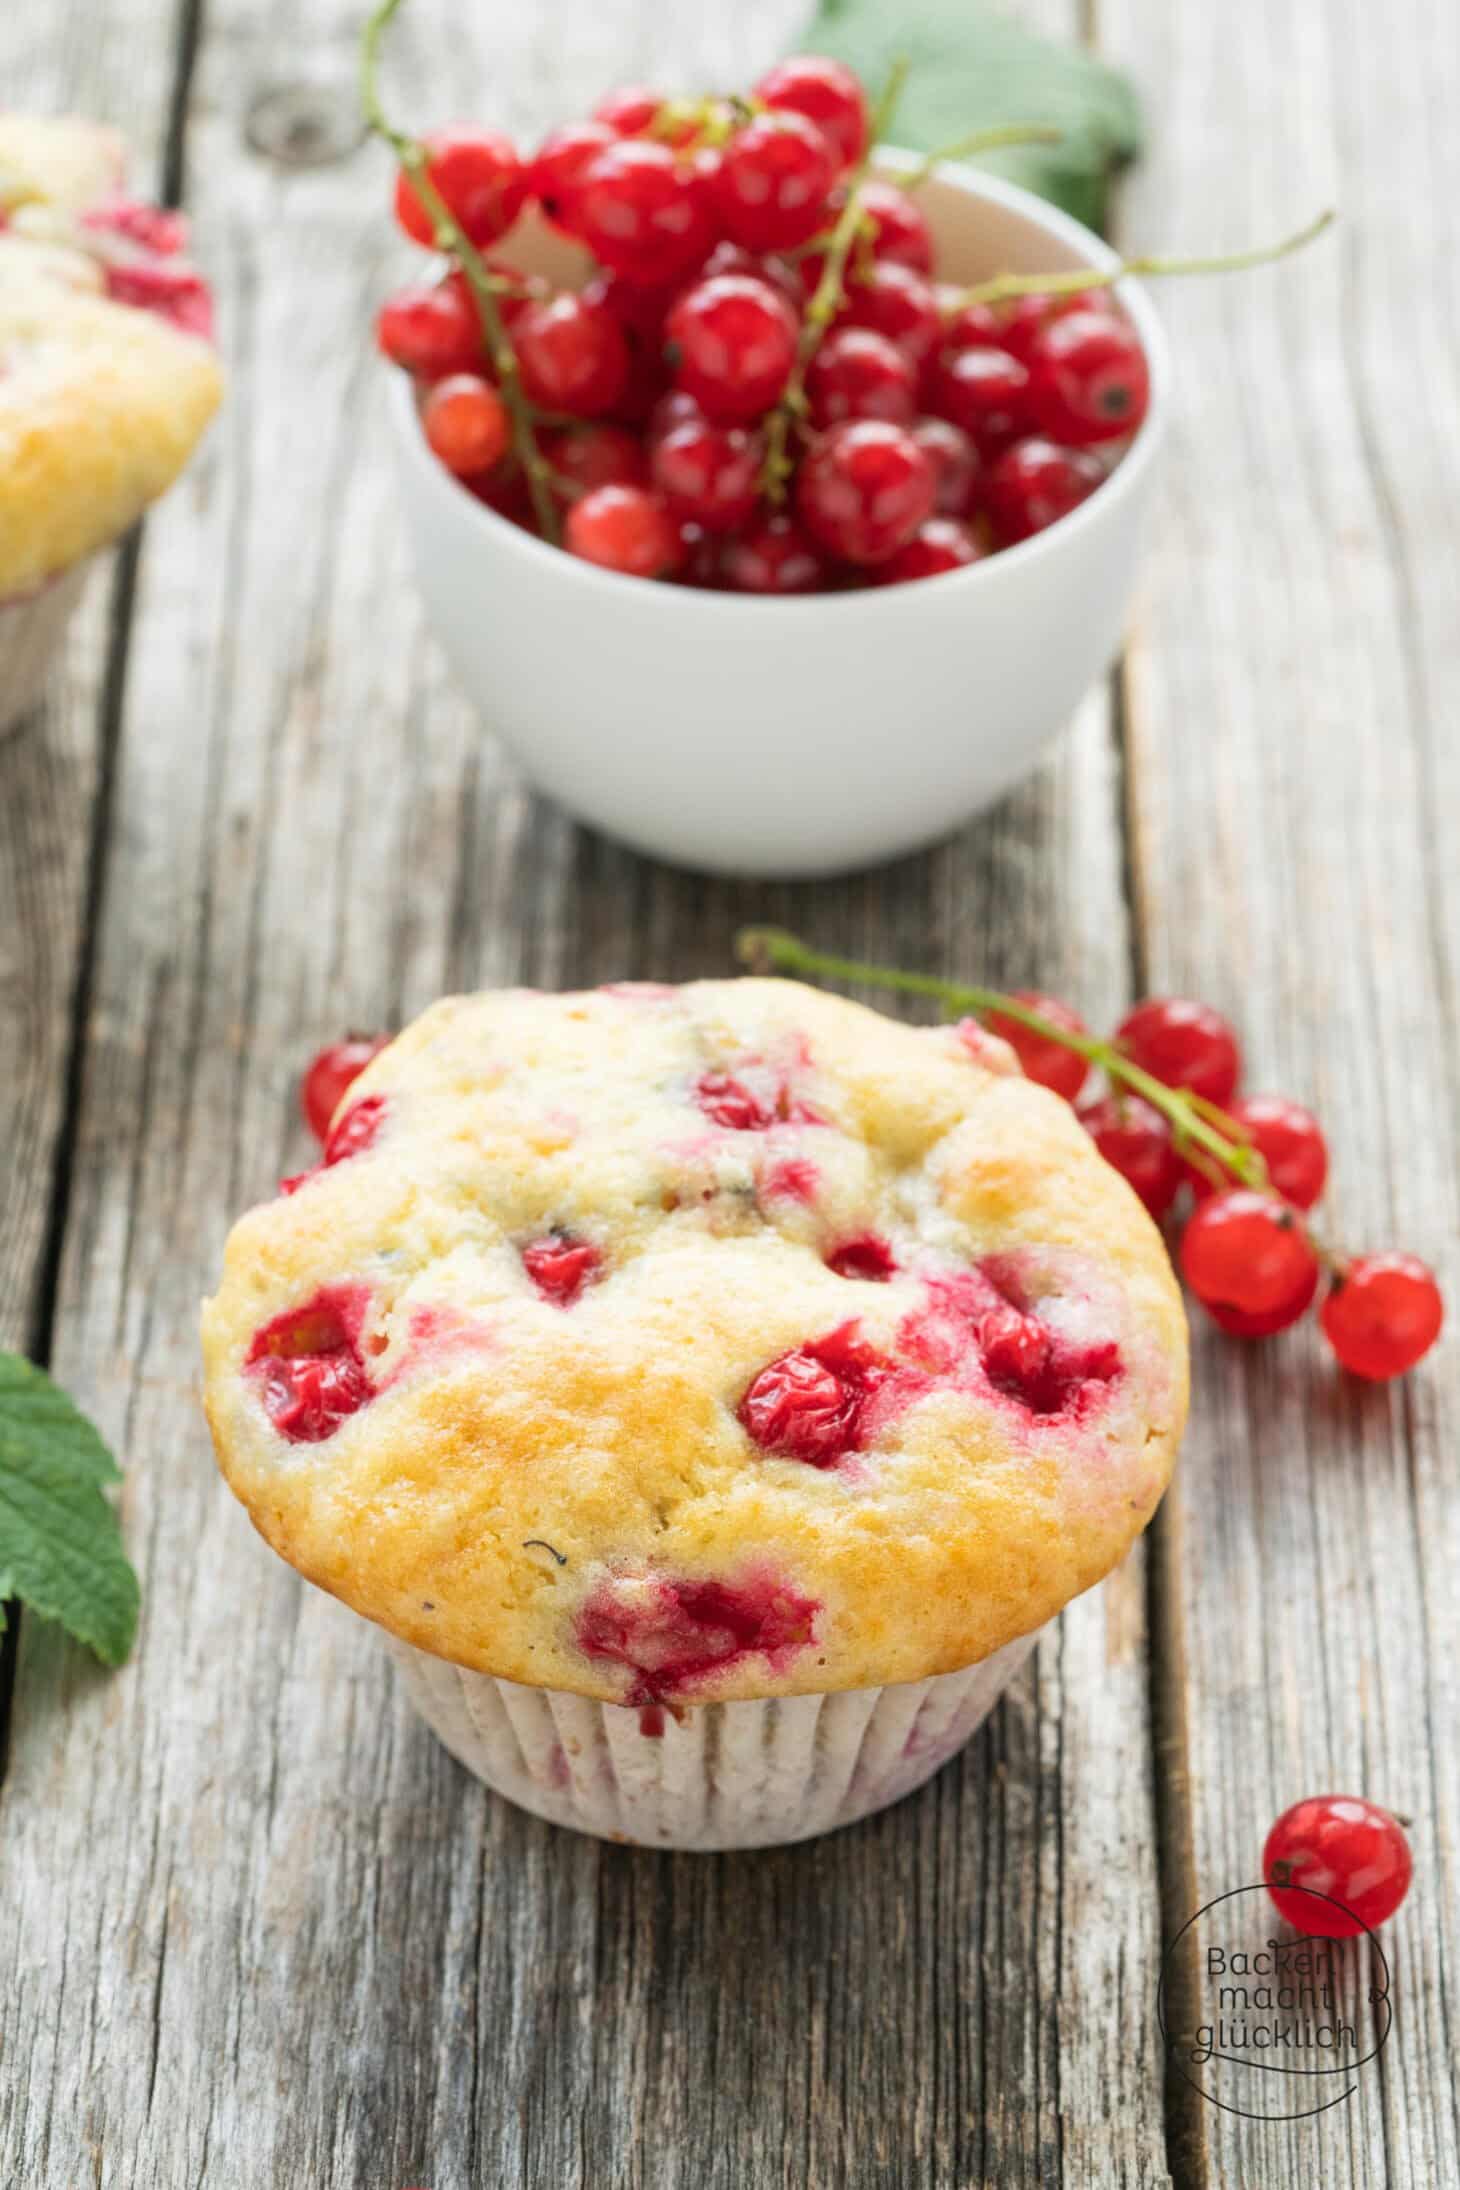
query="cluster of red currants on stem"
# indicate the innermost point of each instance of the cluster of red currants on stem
(760, 387)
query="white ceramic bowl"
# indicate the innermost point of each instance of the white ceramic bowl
(801, 736)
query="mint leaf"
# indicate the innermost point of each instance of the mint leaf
(972, 66)
(60, 1547)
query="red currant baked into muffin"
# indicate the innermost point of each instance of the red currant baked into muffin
(107, 377)
(678, 1348)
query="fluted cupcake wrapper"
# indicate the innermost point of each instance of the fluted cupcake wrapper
(722, 1775)
(32, 629)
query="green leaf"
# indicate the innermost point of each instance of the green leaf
(60, 1547)
(972, 66)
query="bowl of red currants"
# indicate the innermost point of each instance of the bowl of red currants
(762, 513)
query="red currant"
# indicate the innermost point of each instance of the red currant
(595, 456)
(625, 529)
(1048, 1063)
(1033, 483)
(896, 302)
(828, 94)
(430, 331)
(864, 489)
(309, 1372)
(810, 1405)
(699, 558)
(560, 1266)
(775, 182)
(868, 1257)
(955, 463)
(629, 109)
(641, 211)
(572, 356)
(767, 266)
(940, 544)
(1382, 1314)
(1022, 320)
(985, 391)
(899, 230)
(1183, 1044)
(355, 1130)
(465, 423)
(1289, 1141)
(773, 555)
(1088, 378)
(707, 473)
(733, 341)
(858, 374)
(1249, 1262)
(1136, 1141)
(968, 326)
(322, 1089)
(1347, 1850)
(480, 180)
(561, 165)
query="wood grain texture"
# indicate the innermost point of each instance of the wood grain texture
(1295, 777)
(254, 1925)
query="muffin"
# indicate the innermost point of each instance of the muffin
(711, 1391)
(107, 376)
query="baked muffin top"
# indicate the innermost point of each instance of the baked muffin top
(106, 380)
(699, 1343)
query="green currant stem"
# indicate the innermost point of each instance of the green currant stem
(1189, 1116)
(826, 300)
(1079, 278)
(978, 141)
(453, 242)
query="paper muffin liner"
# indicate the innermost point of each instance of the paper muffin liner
(32, 628)
(721, 1775)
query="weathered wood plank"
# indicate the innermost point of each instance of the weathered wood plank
(1296, 795)
(256, 1926)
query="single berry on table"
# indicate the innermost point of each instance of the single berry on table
(572, 356)
(1249, 1261)
(864, 489)
(773, 555)
(626, 529)
(465, 423)
(329, 1073)
(827, 93)
(1033, 483)
(940, 544)
(1382, 1314)
(1183, 1044)
(1046, 1062)
(429, 331)
(480, 180)
(955, 461)
(708, 473)
(641, 212)
(858, 374)
(1136, 1141)
(733, 343)
(1288, 1139)
(775, 180)
(1088, 379)
(1344, 1848)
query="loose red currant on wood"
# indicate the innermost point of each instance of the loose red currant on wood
(480, 180)
(733, 342)
(641, 211)
(774, 183)
(1289, 1141)
(864, 489)
(828, 94)
(572, 356)
(1345, 1849)
(1136, 1141)
(1249, 1262)
(1048, 1063)
(465, 423)
(625, 529)
(940, 544)
(858, 374)
(1034, 483)
(430, 331)
(334, 1069)
(1183, 1044)
(773, 555)
(1382, 1314)
(1088, 378)
(708, 473)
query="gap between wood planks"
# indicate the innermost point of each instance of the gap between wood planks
(172, 178)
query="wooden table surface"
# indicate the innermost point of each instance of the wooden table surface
(255, 1927)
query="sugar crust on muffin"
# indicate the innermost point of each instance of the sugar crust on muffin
(690, 1344)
